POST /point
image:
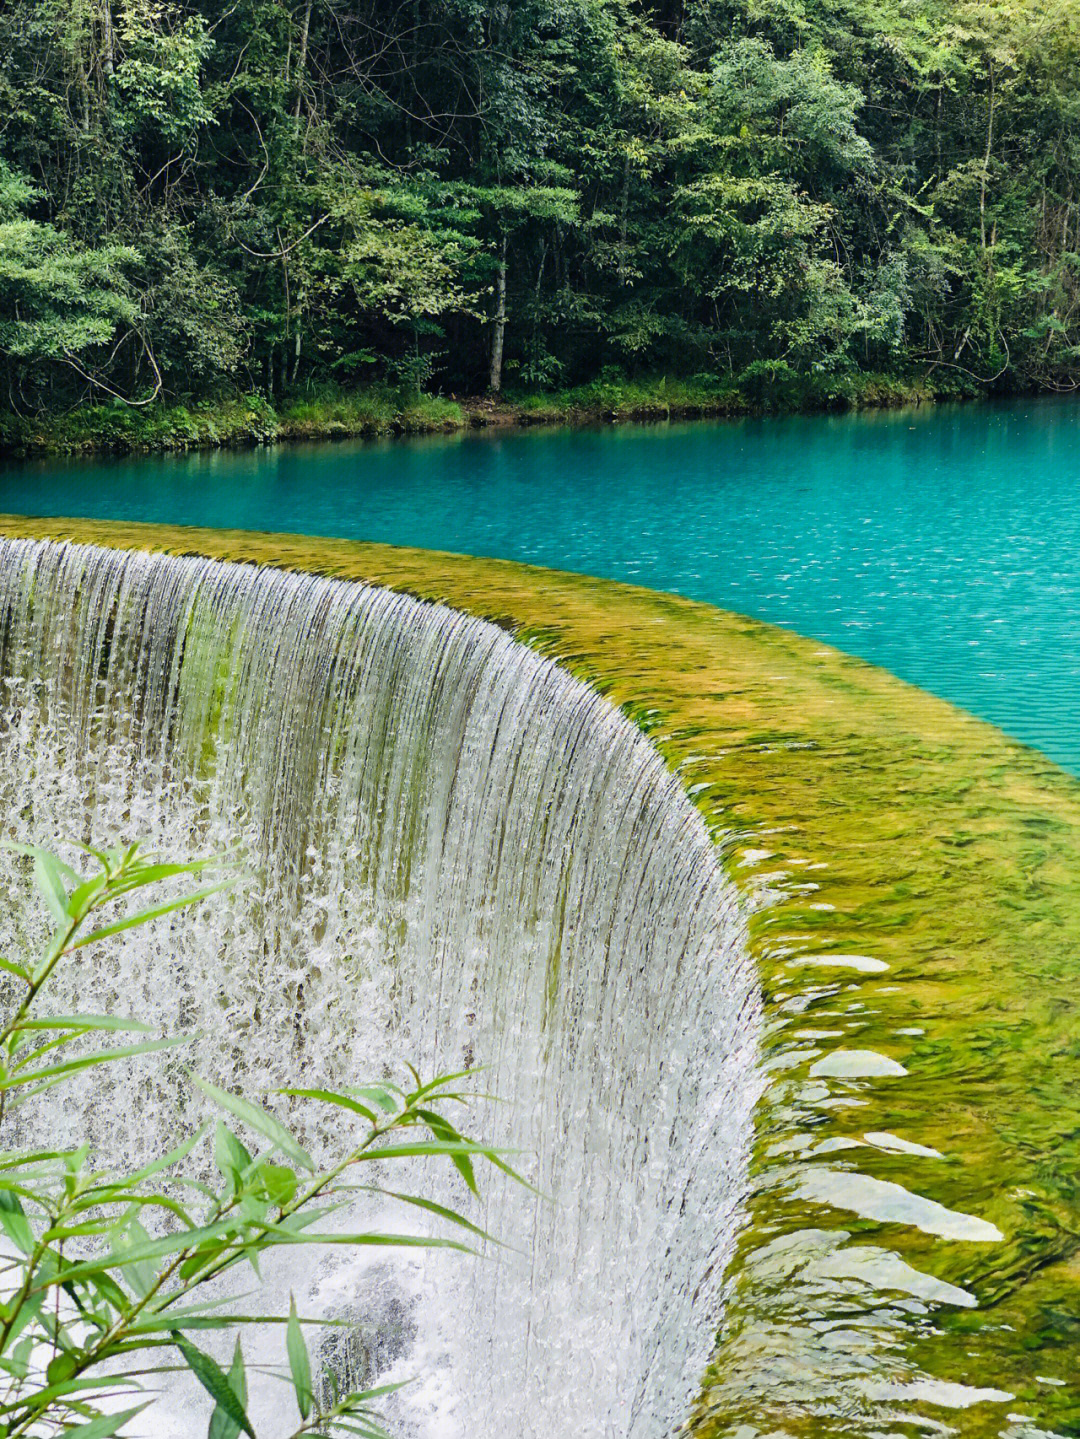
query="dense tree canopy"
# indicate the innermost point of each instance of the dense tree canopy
(201, 197)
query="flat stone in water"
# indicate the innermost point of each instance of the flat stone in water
(887, 1203)
(862, 962)
(855, 1064)
(938, 1391)
(894, 1143)
(882, 1270)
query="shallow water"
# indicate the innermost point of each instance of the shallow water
(942, 543)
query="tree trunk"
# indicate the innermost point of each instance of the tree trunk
(499, 333)
(108, 41)
(624, 206)
(301, 62)
(937, 132)
(986, 157)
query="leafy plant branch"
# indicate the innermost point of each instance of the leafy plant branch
(92, 1300)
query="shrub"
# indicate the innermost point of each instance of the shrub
(103, 1278)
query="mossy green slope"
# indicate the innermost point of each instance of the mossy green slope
(916, 882)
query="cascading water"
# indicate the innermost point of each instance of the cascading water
(459, 856)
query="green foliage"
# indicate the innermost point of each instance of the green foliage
(60, 300)
(104, 1270)
(284, 195)
(159, 77)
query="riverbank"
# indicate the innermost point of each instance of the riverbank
(379, 411)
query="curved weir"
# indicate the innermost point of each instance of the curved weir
(460, 856)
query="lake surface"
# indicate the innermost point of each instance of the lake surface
(942, 543)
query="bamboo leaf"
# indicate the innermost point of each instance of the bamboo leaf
(167, 1160)
(230, 1156)
(37, 850)
(28, 1311)
(215, 1382)
(299, 1363)
(144, 916)
(81, 898)
(406, 1241)
(85, 1022)
(86, 1061)
(279, 1182)
(14, 1221)
(70, 1386)
(156, 1249)
(104, 1426)
(451, 1215)
(259, 1120)
(445, 1147)
(222, 1424)
(442, 1129)
(144, 874)
(384, 1096)
(442, 1080)
(330, 1097)
(50, 882)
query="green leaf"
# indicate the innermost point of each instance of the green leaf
(20, 1358)
(258, 1119)
(442, 1080)
(446, 1147)
(203, 1257)
(385, 1096)
(405, 1241)
(144, 916)
(222, 1424)
(14, 1222)
(51, 884)
(156, 1249)
(230, 1156)
(144, 874)
(57, 1391)
(104, 1426)
(85, 1022)
(141, 1274)
(329, 1097)
(299, 1363)
(60, 1367)
(86, 1061)
(448, 1214)
(215, 1382)
(37, 851)
(27, 1312)
(442, 1129)
(279, 1182)
(81, 898)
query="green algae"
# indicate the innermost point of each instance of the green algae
(861, 818)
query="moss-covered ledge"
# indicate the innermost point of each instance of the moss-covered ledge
(919, 883)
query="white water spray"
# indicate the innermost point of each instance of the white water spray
(461, 856)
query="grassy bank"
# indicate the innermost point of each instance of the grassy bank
(381, 411)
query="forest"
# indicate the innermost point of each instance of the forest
(276, 199)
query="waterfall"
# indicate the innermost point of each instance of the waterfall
(457, 855)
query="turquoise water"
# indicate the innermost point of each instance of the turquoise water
(941, 543)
